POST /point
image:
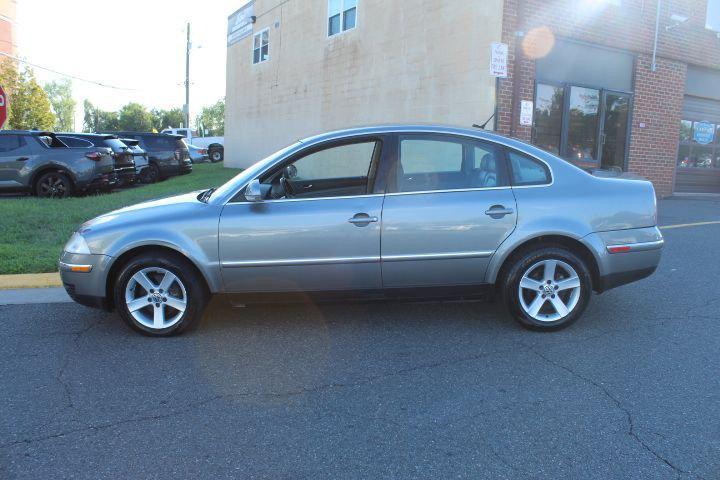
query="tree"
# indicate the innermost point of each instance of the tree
(96, 120)
(29, 104)
(136, 118)
(63, 105)
(167, 118)
(212, 119)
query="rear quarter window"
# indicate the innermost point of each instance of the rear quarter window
(160, 142)
(73, 142)
(528, 171)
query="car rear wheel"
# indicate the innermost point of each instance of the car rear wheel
(547, 288)
(53, 185)
(216, 155)
(150, 174)
(160, 295)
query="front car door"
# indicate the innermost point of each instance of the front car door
(446, 211)
(317, 228)
(15, 155)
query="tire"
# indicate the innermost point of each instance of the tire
(541, 304)
(53, 185)
(151, 174)
(216, 155)
(162, 312)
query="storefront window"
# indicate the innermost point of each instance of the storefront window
(548, 117)
(685, 130)
(699, 145)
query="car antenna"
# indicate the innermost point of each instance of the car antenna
(475, 125)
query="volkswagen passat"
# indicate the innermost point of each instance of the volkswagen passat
(382, 212)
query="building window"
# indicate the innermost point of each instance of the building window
(342, 16)
(261, 46)
(699, 145)
(712, 20)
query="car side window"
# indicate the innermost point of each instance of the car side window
(11, 143)
(345, 161)
(336, 171)
(436, 163)
(528, 171)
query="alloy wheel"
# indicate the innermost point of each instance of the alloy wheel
(549, 290)
(53, 186)
(156, 298)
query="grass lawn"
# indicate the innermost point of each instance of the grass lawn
(33, 230)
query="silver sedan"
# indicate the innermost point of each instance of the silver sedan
(409, 212)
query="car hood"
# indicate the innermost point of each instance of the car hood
(146, 211)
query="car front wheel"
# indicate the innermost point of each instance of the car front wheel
(160, 295)
(547, 289)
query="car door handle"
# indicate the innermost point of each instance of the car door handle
(22, 159)
(499, 211)
(362, 219)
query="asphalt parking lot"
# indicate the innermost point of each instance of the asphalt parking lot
(436, 390)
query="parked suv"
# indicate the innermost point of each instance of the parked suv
(168, 154)
(39, 163)
(122, 156)
(140, 156)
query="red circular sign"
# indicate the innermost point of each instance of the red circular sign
(3, 107)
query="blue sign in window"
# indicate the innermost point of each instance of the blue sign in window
(704, 133)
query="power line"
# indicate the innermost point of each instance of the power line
(74, 77)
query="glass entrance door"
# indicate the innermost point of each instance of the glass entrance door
(587, 126)
(613, 140)
(583, 119)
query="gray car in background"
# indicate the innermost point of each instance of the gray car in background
(197, 154)
(41, 164)
(409, 212)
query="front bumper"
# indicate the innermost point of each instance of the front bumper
(87, 287)
(625, 256)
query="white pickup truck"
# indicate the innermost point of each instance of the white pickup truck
(214, 145)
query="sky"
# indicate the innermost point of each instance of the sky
(135, 45)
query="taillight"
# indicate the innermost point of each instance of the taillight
(178, 154)
(202, 151)
(94, 156)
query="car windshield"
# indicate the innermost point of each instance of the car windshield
(231, 186)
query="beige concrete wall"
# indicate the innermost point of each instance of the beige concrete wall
(406, 61)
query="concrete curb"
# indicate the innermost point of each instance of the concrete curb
(30, 280)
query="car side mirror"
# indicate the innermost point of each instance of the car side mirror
(253, 192)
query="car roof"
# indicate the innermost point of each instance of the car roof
(408, 128)
(104, 136)
(126, 133)
(39, 133)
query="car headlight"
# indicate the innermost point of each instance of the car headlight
(77, 244)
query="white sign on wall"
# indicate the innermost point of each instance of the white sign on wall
(240, 24)
(499, 59)
(526, 113)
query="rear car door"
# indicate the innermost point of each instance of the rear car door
(447, 209)
(15, 155)
(323, 237)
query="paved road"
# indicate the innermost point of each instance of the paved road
(379, 391)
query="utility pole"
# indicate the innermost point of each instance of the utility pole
(188, 46)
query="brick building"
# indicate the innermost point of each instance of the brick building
(624, 84)
(8, 12)
(631, 85)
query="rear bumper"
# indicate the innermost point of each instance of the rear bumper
(625, 256)
(101, 180)
(125, 173)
